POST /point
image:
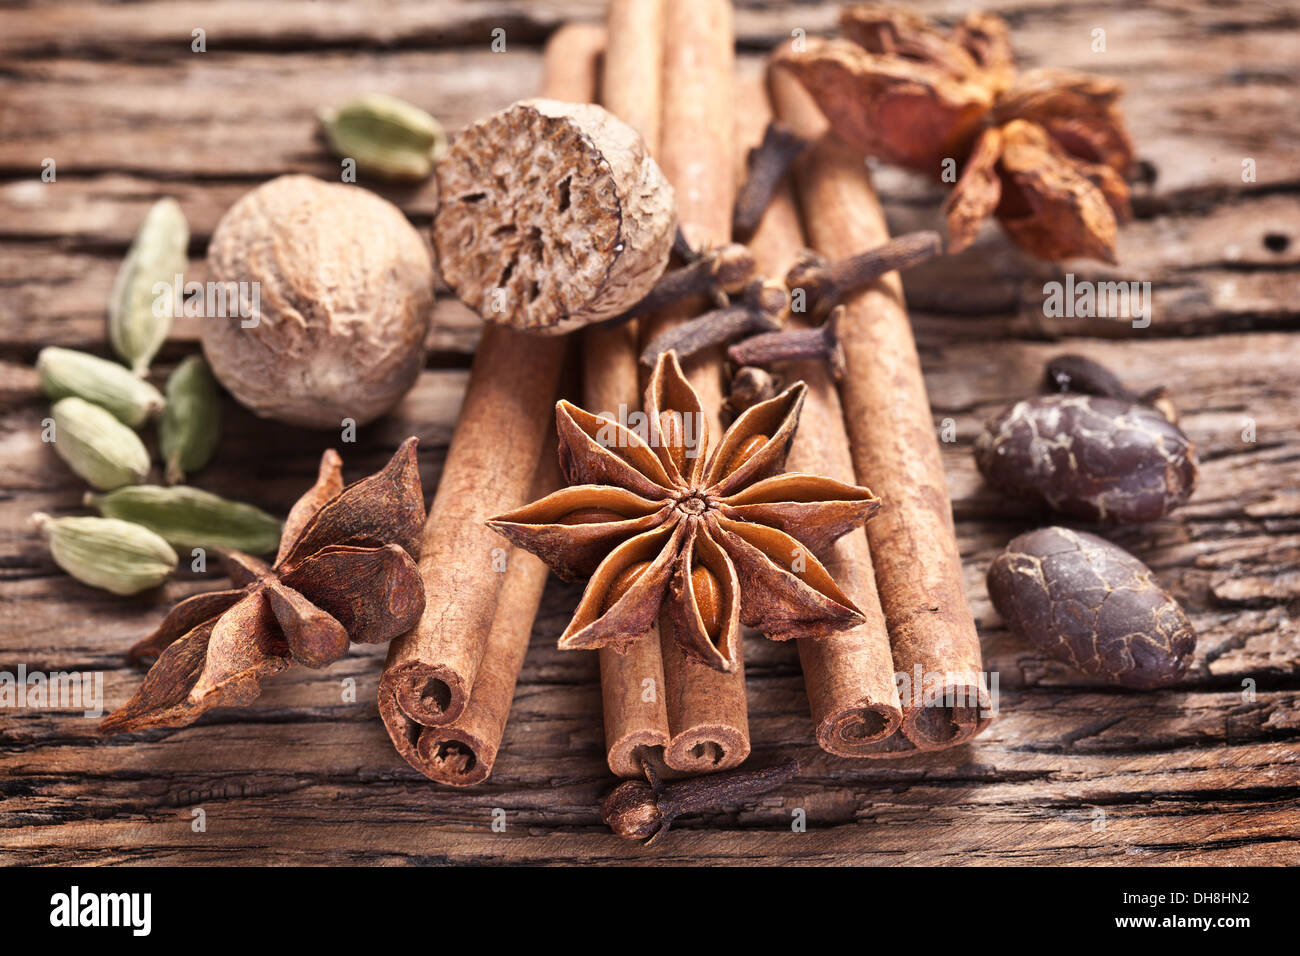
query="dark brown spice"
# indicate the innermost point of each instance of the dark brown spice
(637, 810)
(1093, 458)
(824, 284)
(759, 308)
(767, 163)
(1093, 605)
(822, 343)
(749, 386)
(715, 273)
(1076, 373)
(683, 251)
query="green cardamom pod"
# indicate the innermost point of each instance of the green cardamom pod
(98, 447)
(386, 136)
(190, 518)
(190, 427)
(64, 372)
(117, 556)
(139, 315)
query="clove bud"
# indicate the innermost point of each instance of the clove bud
(749, 386)
(768, 163)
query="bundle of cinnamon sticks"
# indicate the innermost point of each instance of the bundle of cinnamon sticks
(907, 679)
(447, 686)
(917, 682)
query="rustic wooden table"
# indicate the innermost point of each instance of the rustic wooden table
(1206, 772)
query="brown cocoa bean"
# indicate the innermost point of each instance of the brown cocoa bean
(1098, 459)
(1093, 605)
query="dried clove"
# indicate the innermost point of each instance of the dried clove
(683, 251)
(817, 285)
(638, 810)
(716, 273)
(767, 164)
(821, 342)
(1075, 373)
(749, 386)
(760, 307)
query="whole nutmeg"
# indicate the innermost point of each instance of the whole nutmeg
(337, 296)
(551, 216)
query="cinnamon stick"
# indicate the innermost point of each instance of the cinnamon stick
(632, 683)
(707, 712)
(463, 752)
(935, 647)
(507, 413)
(849, 676)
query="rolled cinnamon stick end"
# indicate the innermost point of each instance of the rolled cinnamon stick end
(849, 675)
(631, 684)
(708, 717)
(895, 451)
(506, 416)
(632, 691)
(464, 752)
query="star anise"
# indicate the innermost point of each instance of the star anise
(1045, 152)
(345, 571)
(721, 541)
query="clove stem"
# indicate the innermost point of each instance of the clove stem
(682, 248)
(908, 250)
(768, 163)
(749, 386)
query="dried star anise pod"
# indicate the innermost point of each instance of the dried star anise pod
(1046, 152)
(721, 541)
(345, 571)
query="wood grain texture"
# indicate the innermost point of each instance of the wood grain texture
(1200, 773)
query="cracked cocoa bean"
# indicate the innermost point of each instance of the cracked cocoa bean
(1093, 605)
(1097, 459)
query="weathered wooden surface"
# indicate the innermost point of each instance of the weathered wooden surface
(1199, 773)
